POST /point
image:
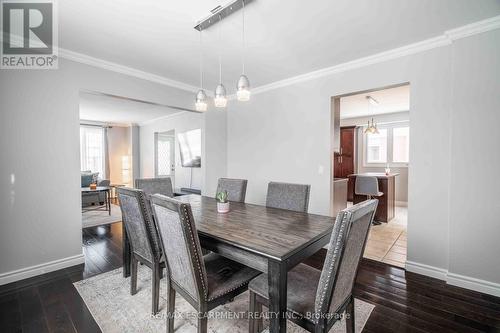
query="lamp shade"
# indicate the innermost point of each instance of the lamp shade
(220, 99)
(243, 88)
(201, 101)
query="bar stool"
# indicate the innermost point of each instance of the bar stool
(368, 185)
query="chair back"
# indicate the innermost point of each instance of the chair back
(344, 254)
(366, 185)
(104, 182)
(288, 196)
(236, 188)
(152, 186)
(139, 225)
(181, 245)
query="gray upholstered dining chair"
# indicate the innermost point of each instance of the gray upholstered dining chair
(204, 281)
(236, 188)
(368, 185)
(152, 186)
(288, 196)
(143, 236)
(317, 298)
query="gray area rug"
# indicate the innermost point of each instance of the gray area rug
(94, 218)
(108, 298)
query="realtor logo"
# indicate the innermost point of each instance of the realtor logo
(29, 35)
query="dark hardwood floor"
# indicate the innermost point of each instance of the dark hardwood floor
(405, 302)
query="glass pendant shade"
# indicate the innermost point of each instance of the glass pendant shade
(201, 101)
(243, 88)
(220, 99)
(368, 128)
(371, 128)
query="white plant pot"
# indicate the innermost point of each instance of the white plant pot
(223, 207)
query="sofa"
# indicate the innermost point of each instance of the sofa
(87, 178)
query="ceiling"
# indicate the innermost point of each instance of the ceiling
(115, 110)
(390, 100)
(284, 38)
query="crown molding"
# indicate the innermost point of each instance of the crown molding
(151, 121)
(111, 66)
(361, 62)
(445, 39)
(474, 28)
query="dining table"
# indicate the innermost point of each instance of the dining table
(270, 240)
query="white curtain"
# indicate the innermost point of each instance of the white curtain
(92, 152)
(106, 174)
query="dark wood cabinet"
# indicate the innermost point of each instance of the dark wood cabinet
(344, 159)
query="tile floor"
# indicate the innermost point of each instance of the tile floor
(387, 242)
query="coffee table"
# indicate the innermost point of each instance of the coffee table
(96, 191)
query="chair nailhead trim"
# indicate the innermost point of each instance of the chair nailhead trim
(184, 217)
(227, 291)
(319, 305)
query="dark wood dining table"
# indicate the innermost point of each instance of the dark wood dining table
(270, 240)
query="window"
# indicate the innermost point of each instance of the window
(400, 144)
(376, 147)
(92, 149)
(390, 146)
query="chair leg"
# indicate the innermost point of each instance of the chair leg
(133, 275)
(202, 323)
(349, 321)
(254, 314)
(170, 310)
(156, 287)
(260, 322)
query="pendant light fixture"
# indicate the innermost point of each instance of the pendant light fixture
(372, 127)
(243, 85)
(220, 99)
(201, 96)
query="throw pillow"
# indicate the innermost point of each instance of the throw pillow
(86, 180)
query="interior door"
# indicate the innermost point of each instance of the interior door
(165, 155)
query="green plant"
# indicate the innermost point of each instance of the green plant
(221, 196)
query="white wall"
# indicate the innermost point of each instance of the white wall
(475, 157)
(284, 135)
(214, 146)
(40, 217)
(181, 122)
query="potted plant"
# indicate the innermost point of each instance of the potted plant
(222, 202)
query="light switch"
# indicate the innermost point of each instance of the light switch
(321, 169)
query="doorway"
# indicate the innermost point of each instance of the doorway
(371, 133)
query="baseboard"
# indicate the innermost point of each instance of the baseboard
(435, 272)
(473, 284)
(47, 267)
(453, 279)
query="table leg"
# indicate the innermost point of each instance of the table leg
(277, 279)
(109, 202)
(126, 252)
